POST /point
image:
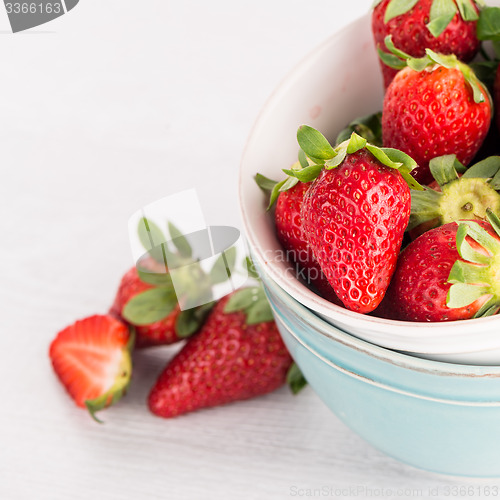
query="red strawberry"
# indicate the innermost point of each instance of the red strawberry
(440, 109)
(92, 360)
(237, 355)
(288, 222)
(156, 333)
(448, 273)
(355, 214)
(421, 24)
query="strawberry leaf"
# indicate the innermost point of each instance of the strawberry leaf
(179, 240)
(295, 379)
(304, 162)
(223, 266)
(369, 127)
(391, 60)
(484, 169)
(494, 220)
(314, 144)
(394, 50)
(467, 10)
(265, 183)
(150, 235)
(355, 143)
(190, 321)
(488, 24)
(260, 312)
(241, 300)
(251, 269)
(466, 251)
(482, 236)
(154, 278)
(340, 154)
(396, 8)
(424, 206)
(253, 302)
(443, 169)
(307, 174)
(289, 183)
(441, 14)
(464, 294)
(275, 193)
(150, 306)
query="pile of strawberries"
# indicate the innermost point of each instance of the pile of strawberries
(391, 220)
(232, 348)
(398, 179)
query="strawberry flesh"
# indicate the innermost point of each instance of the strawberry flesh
(90, 356)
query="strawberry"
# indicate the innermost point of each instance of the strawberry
(159, 332)
(355, 213)
(289, 195)
(92, 360)
(449, 273)
(237, 355)
(435, 106)
(147, 297)
(456, 194)
(446, 27)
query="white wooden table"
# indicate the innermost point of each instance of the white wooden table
(106, 109)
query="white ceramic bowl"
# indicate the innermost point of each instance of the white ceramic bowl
(336, 83)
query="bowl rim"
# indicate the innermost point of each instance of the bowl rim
(396, 330)
(308, 318)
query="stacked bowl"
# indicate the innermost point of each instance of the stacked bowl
(425, 393)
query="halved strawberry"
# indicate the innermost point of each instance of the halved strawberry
(92, 359)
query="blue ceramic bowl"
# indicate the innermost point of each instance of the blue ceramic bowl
(437, 416)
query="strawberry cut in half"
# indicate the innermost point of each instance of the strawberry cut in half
(92, 360)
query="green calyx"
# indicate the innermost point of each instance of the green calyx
(477, 275)
(120, 385)
(295, 379)
(253, 302)
(324, 156)
(369, 127)
(465, 197)
(441, 13)
(398, 59)
(174, 264)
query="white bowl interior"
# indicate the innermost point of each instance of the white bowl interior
(338, 82)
